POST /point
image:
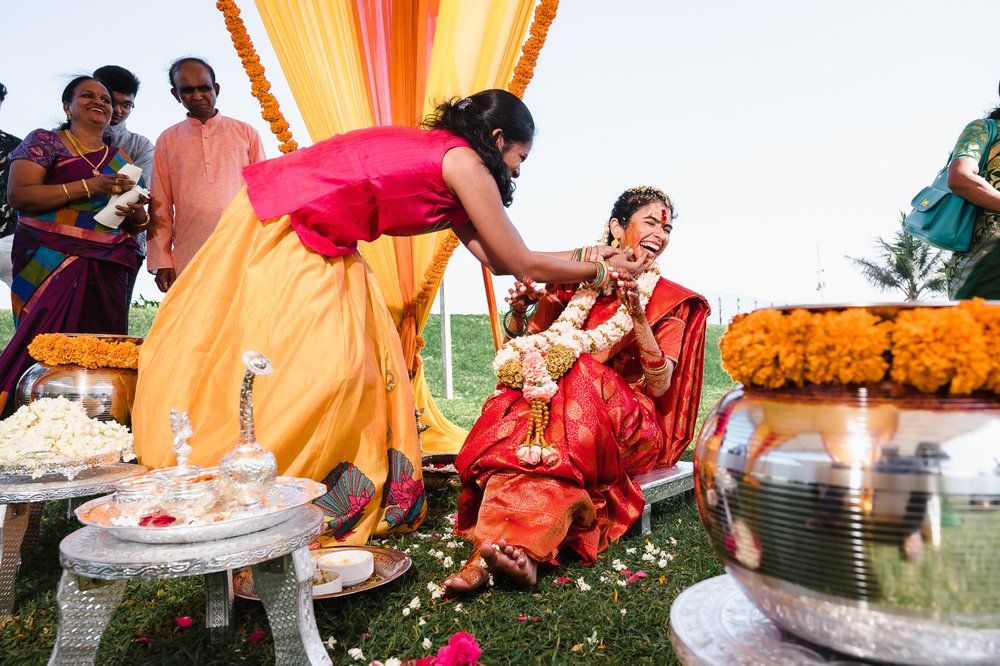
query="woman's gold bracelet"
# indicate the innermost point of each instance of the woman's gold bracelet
(68, 197)
(85, 187)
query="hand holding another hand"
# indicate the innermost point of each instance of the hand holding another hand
(523, 295)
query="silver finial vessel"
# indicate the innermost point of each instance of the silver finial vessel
(247, 473)
(180, 425)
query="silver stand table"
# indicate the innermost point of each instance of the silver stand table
(96, 566)
(21, 499)
(713, 623)
(661, 483)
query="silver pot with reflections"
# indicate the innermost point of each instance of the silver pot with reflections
(863, 519)
(106, 393)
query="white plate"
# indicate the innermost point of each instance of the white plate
(390, 564)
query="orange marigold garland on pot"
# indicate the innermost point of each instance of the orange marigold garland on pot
(933, 348)
(84, 350)
(259, 85)
(929, 348)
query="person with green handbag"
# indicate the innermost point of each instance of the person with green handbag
(977, 271)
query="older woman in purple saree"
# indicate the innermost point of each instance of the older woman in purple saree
(70, 272)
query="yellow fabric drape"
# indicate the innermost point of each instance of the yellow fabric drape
(358, 63)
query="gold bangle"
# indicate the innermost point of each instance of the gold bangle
(85, 187)
(601, 278)
(654, 373)
(68, 197)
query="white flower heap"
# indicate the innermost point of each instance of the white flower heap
(534, 363)
(53, 432)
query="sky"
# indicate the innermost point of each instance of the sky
(788, 133)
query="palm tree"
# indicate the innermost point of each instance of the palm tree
(907, 264)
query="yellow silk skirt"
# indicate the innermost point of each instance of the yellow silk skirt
(338, 406)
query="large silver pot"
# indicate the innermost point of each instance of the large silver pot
(106, 393)
(866, 520)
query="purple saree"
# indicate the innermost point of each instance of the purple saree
(70, 273)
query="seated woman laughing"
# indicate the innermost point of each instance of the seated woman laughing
(598, 383)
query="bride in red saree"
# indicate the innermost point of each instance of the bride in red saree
(541, 478)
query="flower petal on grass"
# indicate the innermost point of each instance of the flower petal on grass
(183, 621)
(255, 637)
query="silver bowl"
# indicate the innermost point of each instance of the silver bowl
(863, 519)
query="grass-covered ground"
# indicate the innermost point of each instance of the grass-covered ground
(575, 615)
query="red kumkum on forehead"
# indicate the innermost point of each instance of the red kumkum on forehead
(663, 214)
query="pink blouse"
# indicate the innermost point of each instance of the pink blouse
(358, 186)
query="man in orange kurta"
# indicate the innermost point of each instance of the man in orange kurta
(197, 170)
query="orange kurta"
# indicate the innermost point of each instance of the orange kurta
(606, 429)
(196, 173)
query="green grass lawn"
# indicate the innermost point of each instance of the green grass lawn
(591, 619)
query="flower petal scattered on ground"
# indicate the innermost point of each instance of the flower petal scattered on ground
(636, 576)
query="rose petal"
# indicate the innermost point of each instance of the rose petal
(142, 640)
(184, 621)
(255, 637)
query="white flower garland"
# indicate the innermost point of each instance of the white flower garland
(565, 330)
(522, 363)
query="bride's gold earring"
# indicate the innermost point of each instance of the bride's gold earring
(614, 242)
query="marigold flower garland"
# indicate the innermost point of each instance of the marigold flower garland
(84, 350)
(928, 348)
(259, 85)
(544, 14)
(534, 363)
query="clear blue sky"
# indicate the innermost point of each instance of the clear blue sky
(788, 133)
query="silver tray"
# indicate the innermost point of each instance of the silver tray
(390, 564)
(23, 471)
(288, 493)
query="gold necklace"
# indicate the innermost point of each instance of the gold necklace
(80, 148)
(79, 144)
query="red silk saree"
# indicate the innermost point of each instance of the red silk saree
(606, 428)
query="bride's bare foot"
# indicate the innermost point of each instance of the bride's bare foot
(503, 558)
(472, 576)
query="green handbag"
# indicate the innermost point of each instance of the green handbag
(942, 218)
